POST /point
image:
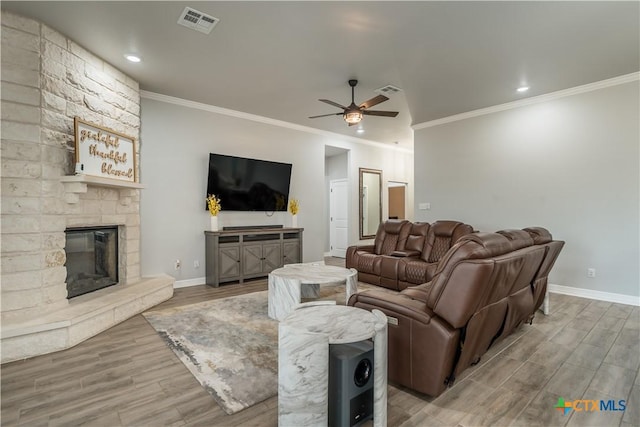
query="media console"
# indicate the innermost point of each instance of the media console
(245, 253)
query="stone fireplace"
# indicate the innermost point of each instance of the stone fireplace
(47, 80)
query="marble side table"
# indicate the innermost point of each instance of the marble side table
(303, 360)
(287, 284)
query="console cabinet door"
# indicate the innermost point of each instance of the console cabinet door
(291, 252)
(252, 259)
(271, 257)
(229, 262)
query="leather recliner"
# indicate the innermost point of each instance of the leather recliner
(413, 248)
(391, 236)
(482, 289)
(414, 259)
(442, 236)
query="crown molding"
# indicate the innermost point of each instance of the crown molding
(261, 119)
(627, 78)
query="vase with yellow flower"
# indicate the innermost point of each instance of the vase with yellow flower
(294, 207)
(213, 203)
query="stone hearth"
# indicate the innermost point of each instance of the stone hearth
(84, 317)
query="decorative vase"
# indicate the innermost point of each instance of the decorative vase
(294, 221)
(214, 223)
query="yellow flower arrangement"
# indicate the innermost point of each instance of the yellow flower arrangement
(214, 204)
(294, 206)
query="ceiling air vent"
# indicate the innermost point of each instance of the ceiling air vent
(196, 20)
(388, 90)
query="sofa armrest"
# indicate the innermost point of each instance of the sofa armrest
(353, 252)
(405, 254)
(362, 248)
(392, 304)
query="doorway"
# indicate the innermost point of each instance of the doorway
(339, 218)
(337, 197)
(397, 200)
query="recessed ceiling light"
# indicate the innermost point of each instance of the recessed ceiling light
(132, 58)
(523, 88)
(360, 130)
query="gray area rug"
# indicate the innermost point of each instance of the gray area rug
(230, 345)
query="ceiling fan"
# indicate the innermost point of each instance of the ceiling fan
(353, 113)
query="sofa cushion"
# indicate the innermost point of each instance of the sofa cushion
(413, 271)
(540, 235)
(441, 237)
(391, 235)
(519, 238)
(368, 263)
(417, 236)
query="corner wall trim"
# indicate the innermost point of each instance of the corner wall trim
(261, 119)
(597, 295)
(627, 78)
(189, 282)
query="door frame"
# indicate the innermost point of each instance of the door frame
(332, 231)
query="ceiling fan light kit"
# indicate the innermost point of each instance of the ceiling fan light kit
(352, 117)
(353, 113)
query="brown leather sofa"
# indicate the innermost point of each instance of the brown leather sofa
(484, 287)
(404, 253)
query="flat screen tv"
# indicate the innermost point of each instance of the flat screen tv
(249, 184)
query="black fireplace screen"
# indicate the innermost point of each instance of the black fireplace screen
(92, 259)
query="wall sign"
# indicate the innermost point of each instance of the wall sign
(103, 152)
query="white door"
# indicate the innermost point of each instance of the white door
(339, 218)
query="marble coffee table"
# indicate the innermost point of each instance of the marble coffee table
(304, 338)
(287, 285)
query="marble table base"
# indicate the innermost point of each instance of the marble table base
(303, 360)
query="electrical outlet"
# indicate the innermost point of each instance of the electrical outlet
(591, 272)
(178, 264)
(196, 264)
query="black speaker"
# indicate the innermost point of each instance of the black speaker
(350, 383)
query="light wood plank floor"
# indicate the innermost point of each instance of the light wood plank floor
(127, 376)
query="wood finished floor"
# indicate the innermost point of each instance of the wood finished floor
(127, 376)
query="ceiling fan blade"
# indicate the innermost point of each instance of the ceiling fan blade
(373, 101)
(326, 115)
(380, 113)
(335, 104)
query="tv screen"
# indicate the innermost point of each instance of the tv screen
(249, 184)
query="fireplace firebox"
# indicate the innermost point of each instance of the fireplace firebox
(92, 259)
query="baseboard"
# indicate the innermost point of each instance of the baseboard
(189, 282)
(597, 295)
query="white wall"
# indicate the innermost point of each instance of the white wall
(570, 164)
(175, 144)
